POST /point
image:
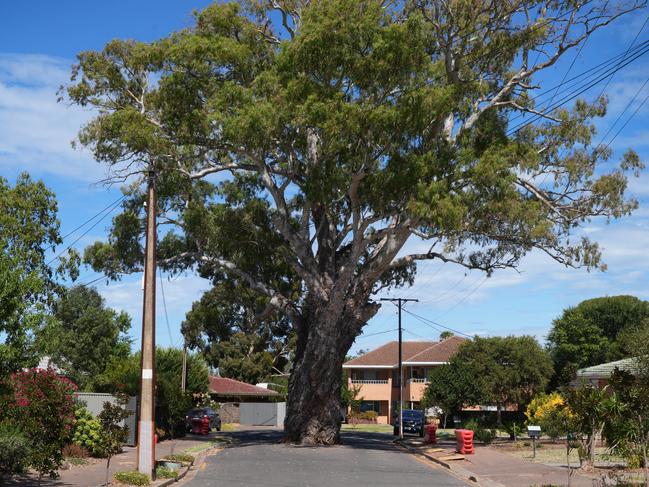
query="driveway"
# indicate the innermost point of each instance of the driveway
(258, 458)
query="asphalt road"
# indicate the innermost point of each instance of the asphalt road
(258, 458)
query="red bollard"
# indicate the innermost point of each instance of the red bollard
(205, 425)
(464, 442)
(197, 426)
(431, 433)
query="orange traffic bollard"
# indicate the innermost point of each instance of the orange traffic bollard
(464, 442)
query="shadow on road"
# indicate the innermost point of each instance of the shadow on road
(349, 439)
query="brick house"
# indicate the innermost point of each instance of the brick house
(377, 373)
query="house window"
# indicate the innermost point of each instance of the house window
(369, 406)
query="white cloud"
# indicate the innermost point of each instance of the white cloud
(179, 294)
(35, 130)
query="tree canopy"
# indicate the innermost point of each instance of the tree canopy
(298, 156)
(497, 370)
(238, 333)
(85, 335)
(596, 331)
(29, 228)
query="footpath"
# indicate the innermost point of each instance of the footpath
(491, 468)
(93, 474)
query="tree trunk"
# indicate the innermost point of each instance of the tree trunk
(499, 415)
(107, 470)
(313, 413)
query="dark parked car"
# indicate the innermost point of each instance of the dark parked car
(200, 413)
(413, 422)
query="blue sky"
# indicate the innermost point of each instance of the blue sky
(38, 43)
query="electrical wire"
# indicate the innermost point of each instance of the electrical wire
(164, 304)
(575, 93)
(377, 333)
(467, 296)
(86, 222)
(628, 105)
(435, 325)
(604, 66)
(578, 91)
(107, 212)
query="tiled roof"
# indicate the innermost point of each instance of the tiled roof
(230, 387)
(440, 352)
(420, 352)
(388, 355)
(604, 371)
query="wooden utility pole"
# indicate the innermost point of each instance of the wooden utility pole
(398, 302)
(146, 425)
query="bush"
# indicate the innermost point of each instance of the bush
(484, 435)
(481, 434)
(42, 405)
(75, 451)
(165, 473)
(370, 415)
(551, 413)
(14, 450)
(132, 478)
(87, 432)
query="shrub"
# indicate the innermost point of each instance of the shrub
(42, 404)
(484, 435)
(87, 432)
(14, 450)
(165, 473)
(370, 415)
(75, 451)
(132, 478)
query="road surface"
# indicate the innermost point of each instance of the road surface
(258, 458)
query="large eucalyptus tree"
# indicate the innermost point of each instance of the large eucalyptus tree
(299, 146)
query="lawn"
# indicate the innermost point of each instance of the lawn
(554, 453)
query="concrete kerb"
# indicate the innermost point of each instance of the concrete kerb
(184, 470)
(460, 472)
(200, 457)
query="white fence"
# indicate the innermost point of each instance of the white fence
(95, 403)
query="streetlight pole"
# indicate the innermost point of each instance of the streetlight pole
(398, 302)
(146, 425)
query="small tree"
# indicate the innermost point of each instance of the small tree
(593, 407)
(113, 432)
(551, 413)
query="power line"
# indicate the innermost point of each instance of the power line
(93, 281)
(628, 120)
(628, 105)
(430, 323)
(578, 91)
(87, 221)
(377, 333)
(627, 50)
(467, 296)
(164, 305)
(106, 213)
(602, 67)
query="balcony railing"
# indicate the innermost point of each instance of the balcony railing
(418, 381)
(374, 381)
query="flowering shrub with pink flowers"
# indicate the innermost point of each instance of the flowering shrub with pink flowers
(42, 403)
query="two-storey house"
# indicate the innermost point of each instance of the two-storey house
(376, 373)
